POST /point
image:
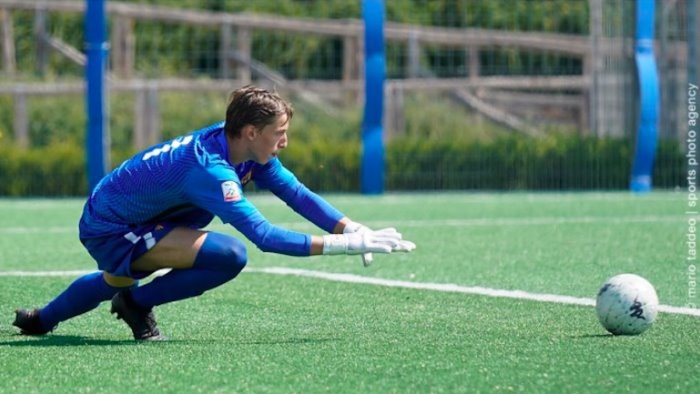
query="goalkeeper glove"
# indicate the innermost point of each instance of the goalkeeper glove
(354, 227)
(381, 241)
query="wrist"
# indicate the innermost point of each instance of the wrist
(335, 244)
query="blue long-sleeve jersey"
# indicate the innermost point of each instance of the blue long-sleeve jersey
(189, 180)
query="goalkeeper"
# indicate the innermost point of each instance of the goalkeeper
(148, 214)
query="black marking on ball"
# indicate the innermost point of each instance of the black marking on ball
(637, 310)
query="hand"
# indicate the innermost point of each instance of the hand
(354, 227)
(381, 241)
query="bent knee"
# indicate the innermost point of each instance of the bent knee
(238, 253)
(222, 252)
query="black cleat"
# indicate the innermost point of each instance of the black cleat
(28, 322)
(141, 321)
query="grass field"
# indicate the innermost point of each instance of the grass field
(287, 325)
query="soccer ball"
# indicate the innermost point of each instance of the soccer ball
(627, 304)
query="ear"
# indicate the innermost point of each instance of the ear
(249, 132)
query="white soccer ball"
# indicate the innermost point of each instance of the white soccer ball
(627, 304)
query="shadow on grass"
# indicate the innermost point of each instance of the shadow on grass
(62, 340)
(589, 336)
(289, 341)
(13, 338)
(52, 340)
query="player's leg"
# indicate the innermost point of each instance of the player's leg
(211, 260)
(200, 261)
(83, 295)
(113, 255)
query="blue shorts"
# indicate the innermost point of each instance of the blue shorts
(115, 253)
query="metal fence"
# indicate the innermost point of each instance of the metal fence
(467, 70)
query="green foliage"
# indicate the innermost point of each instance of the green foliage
(563, 16)
(6, 120)
(325, 165)
(311, 123)
(431, 116)
(557, 162)
(167, 49)
(183, 112)
(68, 27)
(56, 170)
(57, 120)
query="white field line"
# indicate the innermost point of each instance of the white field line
(481, 198)
(39, 230)
(44, 273)
(441, 287)
(424, 223)
(532, 221)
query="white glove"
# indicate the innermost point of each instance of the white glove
(354, 227)
(381, 241)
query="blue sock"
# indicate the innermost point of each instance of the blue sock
(219, 260)
(83, 295)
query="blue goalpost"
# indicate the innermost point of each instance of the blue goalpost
(372, 165)
(649, 98)
(97, 131)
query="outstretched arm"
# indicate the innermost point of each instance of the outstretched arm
(284, 184)
(280, 181)
(224, 198)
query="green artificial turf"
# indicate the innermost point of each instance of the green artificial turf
(281, 333)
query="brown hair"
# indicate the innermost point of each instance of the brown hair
(254, 106)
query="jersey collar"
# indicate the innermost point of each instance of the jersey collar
(221, 138)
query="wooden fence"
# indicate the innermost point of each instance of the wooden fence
(237, 65)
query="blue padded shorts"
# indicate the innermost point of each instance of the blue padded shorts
(115, 253)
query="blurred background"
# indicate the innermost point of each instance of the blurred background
(480, 95)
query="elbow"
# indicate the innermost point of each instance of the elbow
(265, 247)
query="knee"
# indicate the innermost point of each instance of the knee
(237, 254)
(222, 253)
(234, 257)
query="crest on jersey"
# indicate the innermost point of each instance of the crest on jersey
(231, 190)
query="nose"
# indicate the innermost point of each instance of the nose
(283, 142)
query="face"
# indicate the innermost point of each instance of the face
(270, 140)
